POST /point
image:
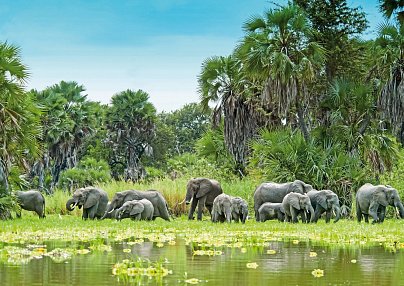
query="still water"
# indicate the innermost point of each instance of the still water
(278, 263)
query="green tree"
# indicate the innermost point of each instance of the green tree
(223, 82)
(336, 25)
(390, 7)
(389, 70)
(67, 122)
(130, 130)
(188, 124)
(278, 49)
(19, 115)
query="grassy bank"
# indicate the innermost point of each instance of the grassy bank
(203, 234)
(173, 190)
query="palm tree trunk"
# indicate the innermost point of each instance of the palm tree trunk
(300, 114)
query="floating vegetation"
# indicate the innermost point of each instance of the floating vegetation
(353, 261)
(137, 269)
(252, 265)
(210, 252)
(60, 255)
(317, 273)
(313, 254)
(271, 251)
(192, 281)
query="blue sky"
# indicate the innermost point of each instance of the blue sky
(112, 45)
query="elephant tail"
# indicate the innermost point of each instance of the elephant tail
(43, 206)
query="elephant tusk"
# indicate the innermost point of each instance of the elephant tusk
(397, 211)
(181, 202)
(74, 205)
(110, 211)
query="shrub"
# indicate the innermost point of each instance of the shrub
(87, 173)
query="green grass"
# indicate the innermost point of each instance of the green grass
(204, 233)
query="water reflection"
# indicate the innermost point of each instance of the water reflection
(285, 264)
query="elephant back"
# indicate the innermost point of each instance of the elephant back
(215, 191)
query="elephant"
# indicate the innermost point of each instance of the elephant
(239, 209)
(271, 211)
(222, 210)
(31, 200)
(202, 192)
(111, 215)
(275, 192)
(93, 200)
(294, 204)
(372, 200)
(325, 201)
(136, 209)
(155, 197)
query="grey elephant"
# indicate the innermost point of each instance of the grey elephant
(31, 200)
(156, 198)
(111, 215)
(93, 200)
(269, 211)
(136, 209)
(275, 192)
(202, 192)
(372, 200)
(325, 201)
(295, 204)
(221, 210)
(239, 209)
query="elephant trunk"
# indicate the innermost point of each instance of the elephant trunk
(311, 210)
(228, 215)
(110, 209)
(188, 197)
(400, 207)
(337, 211)
(71, 204)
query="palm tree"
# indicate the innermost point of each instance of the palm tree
(130, 130)
(222, 81)
(390, 7)
(19, 115)
(389, 66)
(277, 51)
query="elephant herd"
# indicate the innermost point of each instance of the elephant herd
(282, 201)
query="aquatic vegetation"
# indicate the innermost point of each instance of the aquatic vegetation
(271, 251)
(192, 281)
(139, 268)
(60, 255)
(252, 265)
(210, 252)
(313, 254)
(317, 273)
(353, 261)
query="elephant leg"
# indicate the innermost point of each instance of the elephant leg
(373, 211)
(358, 213)
(257, 215)
(381, 213)
(92, 211)
(236, 217)
(137, 217)
(366, 216)
(201, 205)
(328, 216)
(293, 214)
(85, 214)
(287, 218)
(192, 209)
(214, 215)
(317, 213)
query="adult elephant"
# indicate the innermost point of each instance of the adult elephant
(275, 192)
(31, 200)
(271, 211)
(372, 200)
(221, 210)
(325, 201)
(202, 192)
(137, 210)
(93, 200)
(157, 199)
(295, 204)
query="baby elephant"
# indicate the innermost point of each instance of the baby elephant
(136, 210)
(271, 211)
(31, 201)
(221, 210)
(295, 204)
(239, 209)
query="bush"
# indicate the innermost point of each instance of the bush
(284, 156)
(88, 172)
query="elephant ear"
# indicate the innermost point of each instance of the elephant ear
(294, 202)
(322, 201)
(137, 209)
(380, 196)
(92, 199)
(297, 187)
(205, 186)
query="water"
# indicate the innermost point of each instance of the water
(290, 265)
